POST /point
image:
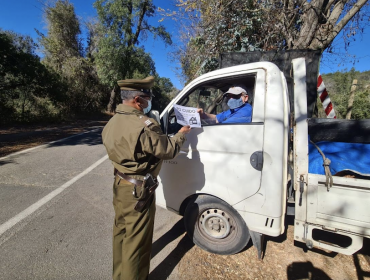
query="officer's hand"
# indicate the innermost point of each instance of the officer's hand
(185, 129)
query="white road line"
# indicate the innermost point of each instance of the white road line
(24, 214)
(43, 145)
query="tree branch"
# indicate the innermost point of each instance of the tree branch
(129, 23)
(302, 3)
(335, 14)
(356, 7)
(326, 11)
(310, 25)
(139, 27)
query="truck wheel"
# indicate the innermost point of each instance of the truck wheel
(215, 226)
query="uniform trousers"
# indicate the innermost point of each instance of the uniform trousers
(132, 233)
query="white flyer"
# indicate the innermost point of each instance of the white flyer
(187, 116)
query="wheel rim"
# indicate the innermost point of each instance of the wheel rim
(215, 223)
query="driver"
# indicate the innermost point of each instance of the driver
(240, 110)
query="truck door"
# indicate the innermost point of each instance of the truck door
(224, 160)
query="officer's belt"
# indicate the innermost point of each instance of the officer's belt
(128, 178)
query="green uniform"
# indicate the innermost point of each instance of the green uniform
(136, 146)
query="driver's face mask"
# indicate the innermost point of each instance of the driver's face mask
(235, 103)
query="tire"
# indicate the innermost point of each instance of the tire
(215, 226)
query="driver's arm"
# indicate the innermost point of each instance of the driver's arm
(206, 116)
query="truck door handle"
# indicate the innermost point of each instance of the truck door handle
(256, 160)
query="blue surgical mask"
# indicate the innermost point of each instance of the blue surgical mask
(235, 103)
(148, 108)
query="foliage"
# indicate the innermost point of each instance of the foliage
(221, 28)
(63, 53)
(62, 41)
(73, 77)
(162, 90)
(122, 23)
(29, 91)
(216, 26)
(339, 85)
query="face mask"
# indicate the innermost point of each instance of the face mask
(235, 103)
(148, 108)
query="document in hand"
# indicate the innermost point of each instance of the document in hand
(187, 116)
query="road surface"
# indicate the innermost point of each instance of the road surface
(56, 215)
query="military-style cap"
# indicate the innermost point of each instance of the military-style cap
(143, 85)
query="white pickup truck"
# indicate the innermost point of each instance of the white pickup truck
(231, 181)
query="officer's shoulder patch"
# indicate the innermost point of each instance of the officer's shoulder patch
(148, 122)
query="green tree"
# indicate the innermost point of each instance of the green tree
(162, 90)
(63, 38)
(63, 52)
(339, 84)
(217, 27)
(29, 91)
(123, 23)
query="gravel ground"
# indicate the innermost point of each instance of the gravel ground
(284, 259)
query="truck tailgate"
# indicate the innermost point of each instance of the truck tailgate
(344, 207)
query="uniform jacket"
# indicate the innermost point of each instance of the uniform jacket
(136, 144)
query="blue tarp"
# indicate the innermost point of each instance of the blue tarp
(343, 156)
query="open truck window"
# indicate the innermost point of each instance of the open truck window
(210, 97)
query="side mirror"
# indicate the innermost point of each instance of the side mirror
(154, 115)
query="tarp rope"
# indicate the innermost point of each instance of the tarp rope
(329, 177)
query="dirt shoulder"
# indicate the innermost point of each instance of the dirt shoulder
(284, 259)
(21, 137)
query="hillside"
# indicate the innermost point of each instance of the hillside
(339, 84)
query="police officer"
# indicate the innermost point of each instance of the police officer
(136, 146)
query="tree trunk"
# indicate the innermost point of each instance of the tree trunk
(23, 108)
(351, 99)
(111, 107)
(310, 24)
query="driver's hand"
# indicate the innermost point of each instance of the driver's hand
(200, 112)
(185, 129)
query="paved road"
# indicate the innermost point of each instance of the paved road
(56, 215)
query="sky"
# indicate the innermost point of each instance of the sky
(23, 16)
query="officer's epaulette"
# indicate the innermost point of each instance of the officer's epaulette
(146, 121)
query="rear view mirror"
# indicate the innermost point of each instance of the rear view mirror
(205, 93)
(154, 115)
